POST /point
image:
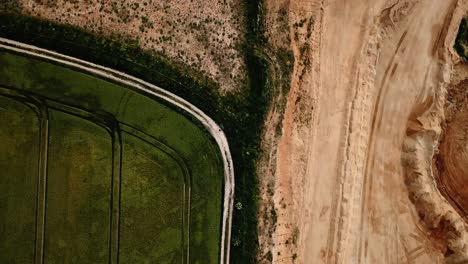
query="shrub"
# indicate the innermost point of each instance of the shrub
(461, 43)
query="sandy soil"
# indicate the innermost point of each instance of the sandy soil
(360, 129)
(205, 35)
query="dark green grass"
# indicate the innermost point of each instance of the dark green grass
(461, 42)
(79, 184)
(112, 104)
(152, 205)
(19, 137)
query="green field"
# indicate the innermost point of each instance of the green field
(93, 172)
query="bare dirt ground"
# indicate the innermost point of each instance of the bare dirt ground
(353, 180)
(450, 165)
(204, 35)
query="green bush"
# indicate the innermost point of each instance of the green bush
(461, 43)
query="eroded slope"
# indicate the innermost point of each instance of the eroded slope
(366, 68)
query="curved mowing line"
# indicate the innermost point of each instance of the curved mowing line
(148, 88)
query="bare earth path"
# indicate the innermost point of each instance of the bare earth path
(339, 166)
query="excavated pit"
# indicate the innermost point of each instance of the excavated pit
(451, 163)
(435, 151)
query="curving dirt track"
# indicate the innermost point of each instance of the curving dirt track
(357, 185)
(141, 85)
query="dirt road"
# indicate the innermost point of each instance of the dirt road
(359, 74)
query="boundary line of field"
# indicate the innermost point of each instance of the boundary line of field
(173, 99)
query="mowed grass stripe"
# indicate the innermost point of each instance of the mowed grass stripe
(19, 159)
(186, 179)
(152, 208)
(79, 184)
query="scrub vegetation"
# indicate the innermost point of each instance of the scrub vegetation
(204, 36)
(461, 43)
